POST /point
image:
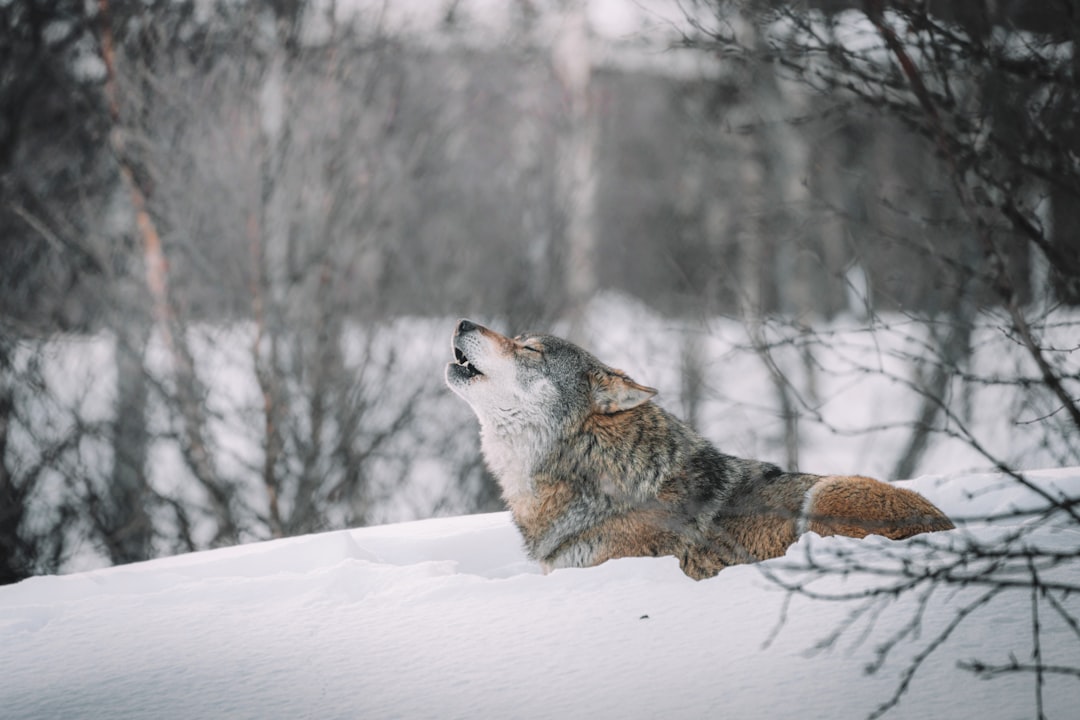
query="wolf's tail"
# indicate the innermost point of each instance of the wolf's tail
(860, 506)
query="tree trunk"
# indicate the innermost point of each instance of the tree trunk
(126, 523)
(12, 501)
(188, 389)
(768, 240)
(576, 173)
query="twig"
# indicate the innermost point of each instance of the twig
(920, 658)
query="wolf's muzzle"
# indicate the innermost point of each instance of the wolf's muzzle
(463, 368)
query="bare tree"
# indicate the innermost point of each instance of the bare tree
(123, 103)
(279, 170)
(52, 185)
(982, 93)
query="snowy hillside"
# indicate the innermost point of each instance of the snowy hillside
(446, 618)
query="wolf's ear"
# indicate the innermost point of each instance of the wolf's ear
(613, 391)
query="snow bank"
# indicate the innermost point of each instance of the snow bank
(446, 618)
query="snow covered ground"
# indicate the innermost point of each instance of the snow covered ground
(446, 618)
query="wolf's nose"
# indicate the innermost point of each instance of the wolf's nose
(465, 326)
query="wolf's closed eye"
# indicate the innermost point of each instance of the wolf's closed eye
(522, 341)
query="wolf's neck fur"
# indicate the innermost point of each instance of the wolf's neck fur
(512, 454)
(592, 455)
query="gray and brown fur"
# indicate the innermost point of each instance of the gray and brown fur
(593, 470)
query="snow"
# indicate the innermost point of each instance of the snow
(447, 618)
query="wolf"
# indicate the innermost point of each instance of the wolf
(592, 469)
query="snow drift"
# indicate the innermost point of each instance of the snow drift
(447, 618)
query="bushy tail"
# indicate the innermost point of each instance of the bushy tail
(860, 506)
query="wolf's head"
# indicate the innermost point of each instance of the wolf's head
(534, 383)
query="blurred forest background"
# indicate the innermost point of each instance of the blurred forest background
(233, 234)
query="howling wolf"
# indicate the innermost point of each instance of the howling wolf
(593, 470)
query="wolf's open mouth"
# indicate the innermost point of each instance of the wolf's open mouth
(463, 361)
